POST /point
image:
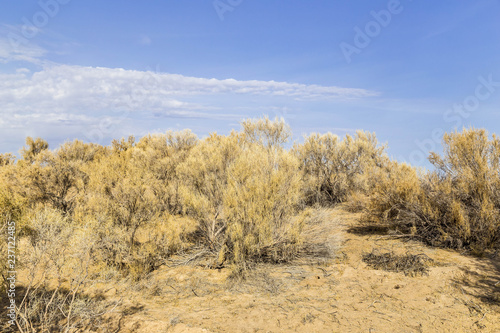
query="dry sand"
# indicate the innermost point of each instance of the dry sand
(460, 293)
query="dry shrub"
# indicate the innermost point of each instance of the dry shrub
(244, 189)
(398, 197)
(54, 178)
(12, 208)
(133, 190)
(263, 195)
(164, 153)
(158, 241)
(409, 264)
(7, 159)
(320, 237)
(50, 180)
(266, 132)
(12, 205)
(334, 168)
(458, 205)
(57, 257)
(356, 202)
(33, 148)
(205, 177)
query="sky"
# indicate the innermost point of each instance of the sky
(98, 70)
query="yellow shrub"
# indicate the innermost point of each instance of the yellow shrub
(268, 133)
(333, 169)
(457, 205)
(204, 176)
(262, 197)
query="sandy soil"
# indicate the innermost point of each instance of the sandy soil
(342, 294)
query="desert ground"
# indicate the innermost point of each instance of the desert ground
(339, 293)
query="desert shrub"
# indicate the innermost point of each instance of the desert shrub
(79, 151)
(399, 198)
(51, 180)
(121, 188)
(118, 201)
(164, 153)
(158, 241)
(457, 205)
(33, 148)
(133, 190)
(205, 177)
(122, 145)
(356, 202)
(12, 204)
(57, 257)
(244, 189)
(54, 178)
(7, 159)
(12, 209)
(263, 195)
(333, 169)
(266, 132)
(468, 177)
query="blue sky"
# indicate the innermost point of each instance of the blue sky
(97, 70)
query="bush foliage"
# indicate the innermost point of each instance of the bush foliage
(456, 205)
(334, 169)
(240, 197)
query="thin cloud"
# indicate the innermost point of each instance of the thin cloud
(76, 89)
(12, 51)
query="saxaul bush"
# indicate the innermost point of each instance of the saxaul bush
(243, 190)
(12, 207)
(33, 148)
(57, 257)
(7, 159)
(456, 205)
(165, 152)
(204, 176)
(335, 169)
(133, 189)
(262, 197)
(271, 134)
(54, 178)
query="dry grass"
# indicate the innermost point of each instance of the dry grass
(409, 264)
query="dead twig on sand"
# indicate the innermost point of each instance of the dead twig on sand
(409, 264)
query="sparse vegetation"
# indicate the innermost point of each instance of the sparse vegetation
(457, 205)
(85, 210)
(409, 264)
(335, 169)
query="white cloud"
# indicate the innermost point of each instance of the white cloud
(22, 70)
(74, 99)
(64, 101)
(75, 89)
